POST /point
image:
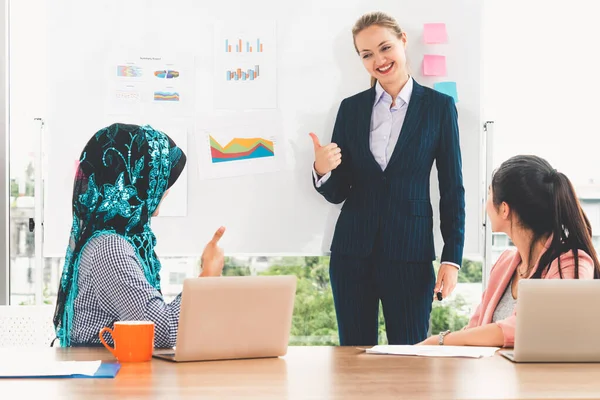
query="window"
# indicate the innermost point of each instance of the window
(22, 241)
(314, 321)
(27, 101)
(454, 312)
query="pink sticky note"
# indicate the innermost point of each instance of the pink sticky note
(434, 65)
(76, 167)
(435, 33)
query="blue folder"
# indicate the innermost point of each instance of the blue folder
(106, 370)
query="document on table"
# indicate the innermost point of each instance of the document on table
(30, 368)
(434, 351)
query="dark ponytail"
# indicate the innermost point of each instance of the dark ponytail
(571, 229)
(545, 203)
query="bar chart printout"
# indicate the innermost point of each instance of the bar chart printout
(239, 46)
(245, 65)
(243, 75)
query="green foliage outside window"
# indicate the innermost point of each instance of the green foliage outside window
(314, 321)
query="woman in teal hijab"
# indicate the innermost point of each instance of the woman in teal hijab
(111, 271)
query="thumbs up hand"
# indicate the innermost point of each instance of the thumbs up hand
(327, 158)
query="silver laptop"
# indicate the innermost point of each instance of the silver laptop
(558, 320)
(233, 317)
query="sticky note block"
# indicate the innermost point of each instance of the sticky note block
(435, 33)
(448, 88)
(434, 65)
(76, 171)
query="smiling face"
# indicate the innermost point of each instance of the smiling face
(383, 54)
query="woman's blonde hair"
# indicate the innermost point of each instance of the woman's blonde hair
(375, 18)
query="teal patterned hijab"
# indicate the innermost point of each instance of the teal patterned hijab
(124, 171)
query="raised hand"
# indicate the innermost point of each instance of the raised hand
(213, 257)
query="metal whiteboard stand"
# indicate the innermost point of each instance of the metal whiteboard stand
(488, 162)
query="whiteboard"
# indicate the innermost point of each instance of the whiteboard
(316, 67)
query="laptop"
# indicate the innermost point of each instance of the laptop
(558, 320)
(233, 317)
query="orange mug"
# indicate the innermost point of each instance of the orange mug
(134, 340)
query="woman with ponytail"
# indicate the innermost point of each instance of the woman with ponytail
(536, 206)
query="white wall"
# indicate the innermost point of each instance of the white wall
(541, 87)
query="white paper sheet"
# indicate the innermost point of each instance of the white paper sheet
(176, 204)
(243, 144)
(245, 73)
(14, 368)
(434, 351)
(145, 84)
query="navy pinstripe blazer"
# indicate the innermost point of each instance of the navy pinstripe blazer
(395, 204)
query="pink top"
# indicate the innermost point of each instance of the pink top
(501, 275)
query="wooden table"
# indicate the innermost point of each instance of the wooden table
(317, 373)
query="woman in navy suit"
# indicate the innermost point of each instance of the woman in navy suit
(379, 163)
